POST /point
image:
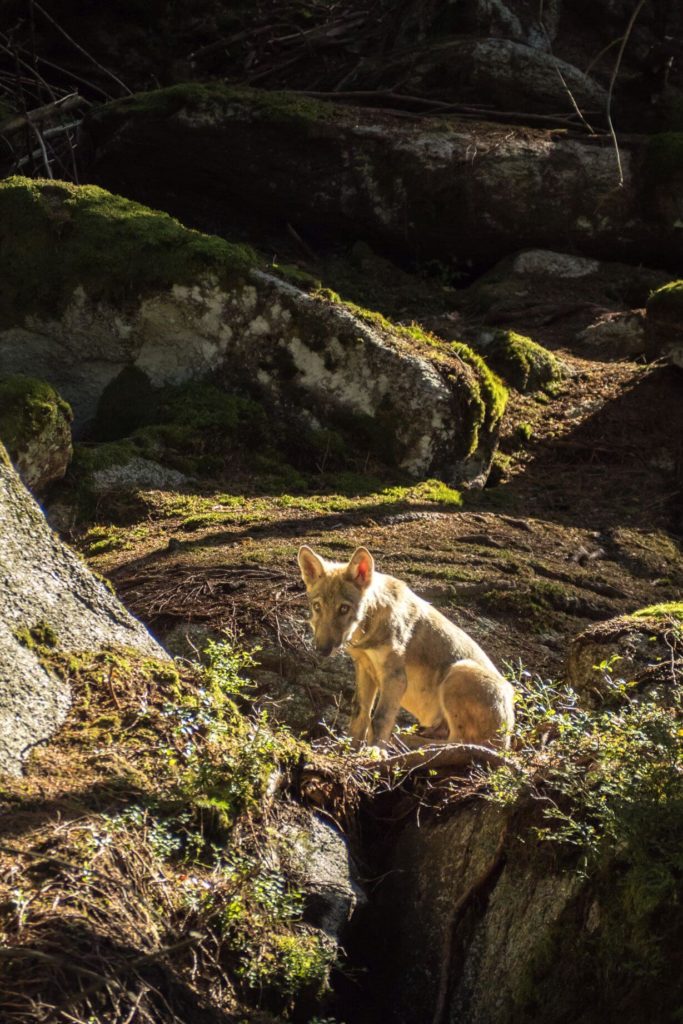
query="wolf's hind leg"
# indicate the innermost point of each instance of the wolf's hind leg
(477, 705)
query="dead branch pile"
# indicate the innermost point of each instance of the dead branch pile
(242, 598)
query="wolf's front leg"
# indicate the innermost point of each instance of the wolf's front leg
(366, 690)
(392, 687)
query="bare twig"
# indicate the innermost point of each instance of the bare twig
(43, 150)
(80, 48)
(610, 91)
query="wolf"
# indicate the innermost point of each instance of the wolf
(406, 654)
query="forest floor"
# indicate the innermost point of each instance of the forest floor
(578, 530)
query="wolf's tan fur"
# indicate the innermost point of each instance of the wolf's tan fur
(407, 654)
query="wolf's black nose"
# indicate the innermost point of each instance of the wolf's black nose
(325, 651)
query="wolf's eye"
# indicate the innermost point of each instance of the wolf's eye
(343, 609)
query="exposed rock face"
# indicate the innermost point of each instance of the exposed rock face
(644, 649)
(35, 427)
(321, 854)
(42, 583)
(333, 169)
(202, 309)
(483, 957)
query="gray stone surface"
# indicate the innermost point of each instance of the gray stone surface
(137, 473)
(616, 335)
(321, 856)
(42, 581)
(509, 73)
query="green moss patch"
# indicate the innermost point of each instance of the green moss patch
(670, 609)
(490, 393)
(214, 100)
(56, 237)
(523, 363)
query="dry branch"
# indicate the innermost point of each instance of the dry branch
(45, 113)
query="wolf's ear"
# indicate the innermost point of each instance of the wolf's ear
(360, 568)
(311, 565)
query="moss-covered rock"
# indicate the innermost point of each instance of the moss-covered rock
(644, 649)
(665, 322)
(35, 427)
(57, 239)
(523, 363)
(135, 305)
(256, 154)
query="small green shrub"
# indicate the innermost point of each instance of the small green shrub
(611, 775)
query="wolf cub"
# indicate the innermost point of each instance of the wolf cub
(406, 653)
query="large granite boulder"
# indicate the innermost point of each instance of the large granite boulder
(46, 593)
(445, 189)
(128, 288)
(476, 920)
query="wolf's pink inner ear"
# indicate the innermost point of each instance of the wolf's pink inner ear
(362, 571)
(360, 568)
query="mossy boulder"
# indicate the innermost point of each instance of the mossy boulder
(59, 239)
(414, 185)
(521, 362)
(665, 323)
(35, 427)
(134, 297)
(641, 650)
